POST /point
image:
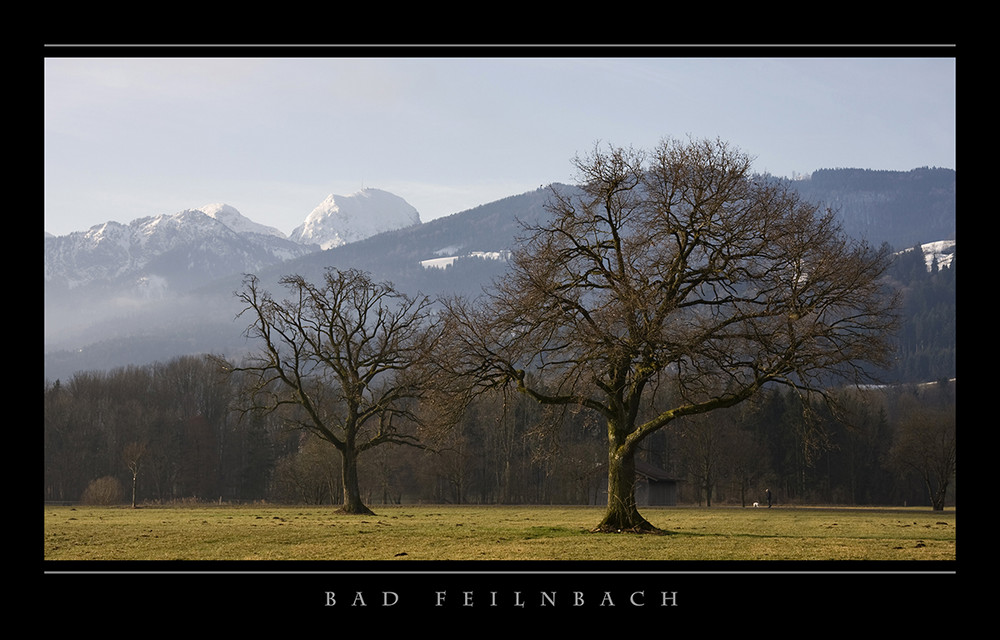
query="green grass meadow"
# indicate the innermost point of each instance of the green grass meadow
(500, 533)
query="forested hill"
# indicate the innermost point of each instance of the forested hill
(903, 208)
(927, 340)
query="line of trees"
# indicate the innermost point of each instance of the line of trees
(165, 431)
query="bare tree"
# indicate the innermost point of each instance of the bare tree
(675, 267)
(925, 444)
(132, 455)
(343, 355)
(705, 445)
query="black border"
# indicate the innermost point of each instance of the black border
(727, 594)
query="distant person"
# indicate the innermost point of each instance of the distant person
(767, 494)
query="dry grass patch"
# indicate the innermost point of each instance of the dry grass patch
(415, 533)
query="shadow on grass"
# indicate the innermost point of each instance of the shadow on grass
(551, 532)
(562, 532)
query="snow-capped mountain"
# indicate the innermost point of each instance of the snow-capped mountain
(339, 220)
(186, 249)
(136, 283)
(236, 221)
(153, 277)
(183, 250)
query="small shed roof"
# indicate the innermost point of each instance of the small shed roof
(652, 472)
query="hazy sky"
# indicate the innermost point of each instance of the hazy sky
(132, 137)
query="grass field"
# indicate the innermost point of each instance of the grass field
(408, 533)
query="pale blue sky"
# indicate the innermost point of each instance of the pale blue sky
(133, 137)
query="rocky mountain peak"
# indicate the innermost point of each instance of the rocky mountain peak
(339, 220)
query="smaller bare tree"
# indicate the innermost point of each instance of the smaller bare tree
(925, 444)
(343, 356)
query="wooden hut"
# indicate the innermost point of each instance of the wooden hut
(653, 487)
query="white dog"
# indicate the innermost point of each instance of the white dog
(755, 504)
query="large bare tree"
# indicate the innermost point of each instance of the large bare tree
(680, 269)
(342, 356)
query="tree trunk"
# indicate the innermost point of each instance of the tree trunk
(937, 497)
(135, 476)
(352, 492)
(622, 514)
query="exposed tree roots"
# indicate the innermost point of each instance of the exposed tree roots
(647, 529)
(629, 522)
